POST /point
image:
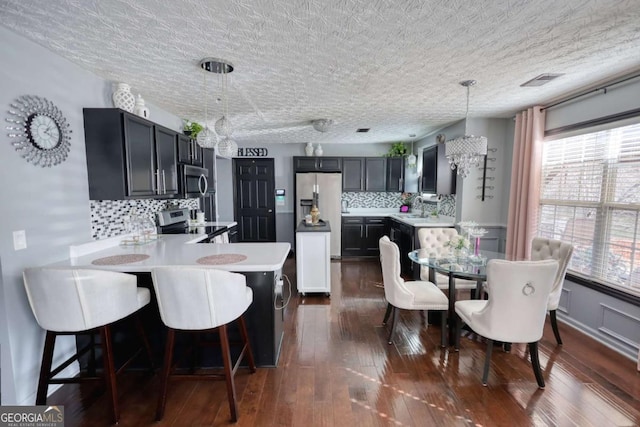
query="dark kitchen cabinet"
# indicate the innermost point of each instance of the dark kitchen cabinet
(317, 164)
(360, 235)
(128, 156)
(233, 234)
(395, 174)
(375, 178)
(437, 176)
(364, 173)
(189, 151)
(403, 236)
(353, 173)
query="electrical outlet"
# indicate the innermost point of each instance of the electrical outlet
(19, 240)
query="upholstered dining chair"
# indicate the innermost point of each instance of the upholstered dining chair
(516, 308)
(68, 301)
(543, 248)
(433, 241)
(202, 299)
(413, 295)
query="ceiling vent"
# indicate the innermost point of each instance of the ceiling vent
(363, 130)
(540, 80)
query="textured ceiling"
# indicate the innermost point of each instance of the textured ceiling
(390, 65)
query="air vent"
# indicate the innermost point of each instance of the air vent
(540, 80)
(363, 130)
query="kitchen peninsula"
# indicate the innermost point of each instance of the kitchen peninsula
(260, 263)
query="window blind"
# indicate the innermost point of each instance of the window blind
(590, 197)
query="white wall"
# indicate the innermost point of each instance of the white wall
(50, 204)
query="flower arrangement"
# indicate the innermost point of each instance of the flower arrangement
(458, 242)
(406, 199)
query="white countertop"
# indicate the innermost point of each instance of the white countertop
(181, 250)
(412, 218)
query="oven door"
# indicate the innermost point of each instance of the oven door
(194, 181)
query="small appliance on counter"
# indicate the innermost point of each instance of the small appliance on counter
(176, 221)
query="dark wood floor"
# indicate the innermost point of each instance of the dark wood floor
(336, 369)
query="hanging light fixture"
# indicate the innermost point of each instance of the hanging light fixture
(321, 125)
(412, 159)
(466, 151)
(206, 137)
(226, 147)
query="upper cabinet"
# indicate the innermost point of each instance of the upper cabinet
(317, 164)
(437, 176)
(364, 173)
(395, 174)
(189, 151)
(128, 156)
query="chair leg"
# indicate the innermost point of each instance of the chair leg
(228, 373)
(535, 363)
(487, 362)
(386, 314)
(507, 347)
(458, 333)
(443, 328)
(109, 371)
(394, 320)
(166, 370)
(247, 344)
(554, 326)
(45, 368)
(145, 342)
(91, 366)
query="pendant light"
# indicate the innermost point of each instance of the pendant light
(412, 159)
(206, 137)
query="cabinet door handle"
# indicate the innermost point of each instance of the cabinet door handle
(157, 183)
(164, 183)
(400, 184)
(206, 184)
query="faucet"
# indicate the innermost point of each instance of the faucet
(420, 199)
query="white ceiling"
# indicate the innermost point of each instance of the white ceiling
(393, 66)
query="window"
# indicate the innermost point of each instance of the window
(590, 196)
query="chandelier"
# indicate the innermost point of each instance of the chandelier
(206, 137)
(321, 125)
(466, 151)
(226, 147)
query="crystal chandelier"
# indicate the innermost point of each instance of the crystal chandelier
(466, 151)
(226, 147)
(206, 138)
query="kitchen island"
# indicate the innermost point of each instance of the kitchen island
(260, 263)
(313, 257)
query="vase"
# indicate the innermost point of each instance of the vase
(123, 98)
(315, 214)
(140, 109)
(318, 152)
(308, 149)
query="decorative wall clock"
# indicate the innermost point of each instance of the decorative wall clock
(40, 131)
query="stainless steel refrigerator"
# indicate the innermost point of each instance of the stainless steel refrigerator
(328, 187)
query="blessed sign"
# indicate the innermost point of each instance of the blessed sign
(252, 152)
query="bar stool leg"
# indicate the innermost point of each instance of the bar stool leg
(228, 372)
(247, 344)
(145, 342)
(45, 368)
(109, 371)
(166, 370)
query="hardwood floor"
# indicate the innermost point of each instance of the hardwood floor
(336, 369)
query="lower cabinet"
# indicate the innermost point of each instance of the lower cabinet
(403, 236)
(360, 235)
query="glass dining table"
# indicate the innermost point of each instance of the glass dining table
(463, 267)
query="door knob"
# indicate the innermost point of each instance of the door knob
(270, 210)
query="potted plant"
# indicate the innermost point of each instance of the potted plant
(398, 149)
(190, 128)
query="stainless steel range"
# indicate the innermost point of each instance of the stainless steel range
(176, 221)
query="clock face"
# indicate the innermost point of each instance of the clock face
(44, 131)
(40, 132)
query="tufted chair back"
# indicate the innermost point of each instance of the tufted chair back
(74, 300)
(541, 249)
(394, 290)
(432, 240)
(517, 305)
(199, 298)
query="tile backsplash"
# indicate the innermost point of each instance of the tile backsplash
(107, 216)
(392, 200)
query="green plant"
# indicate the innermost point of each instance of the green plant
(397, 149)
(193, 128)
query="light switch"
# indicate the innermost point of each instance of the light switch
(19, 240)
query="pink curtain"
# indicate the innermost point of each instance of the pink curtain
(525, 183)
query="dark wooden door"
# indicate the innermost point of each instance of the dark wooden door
(141, 157)
(395, 174)
(254, 199)
(375, 174)
(352, 174)
(167, 157)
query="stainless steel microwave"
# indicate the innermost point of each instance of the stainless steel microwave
(194, 181)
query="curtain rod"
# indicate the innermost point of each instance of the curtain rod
(598, 89)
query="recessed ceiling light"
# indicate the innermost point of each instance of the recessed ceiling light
(542, 79)
(363, 130)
